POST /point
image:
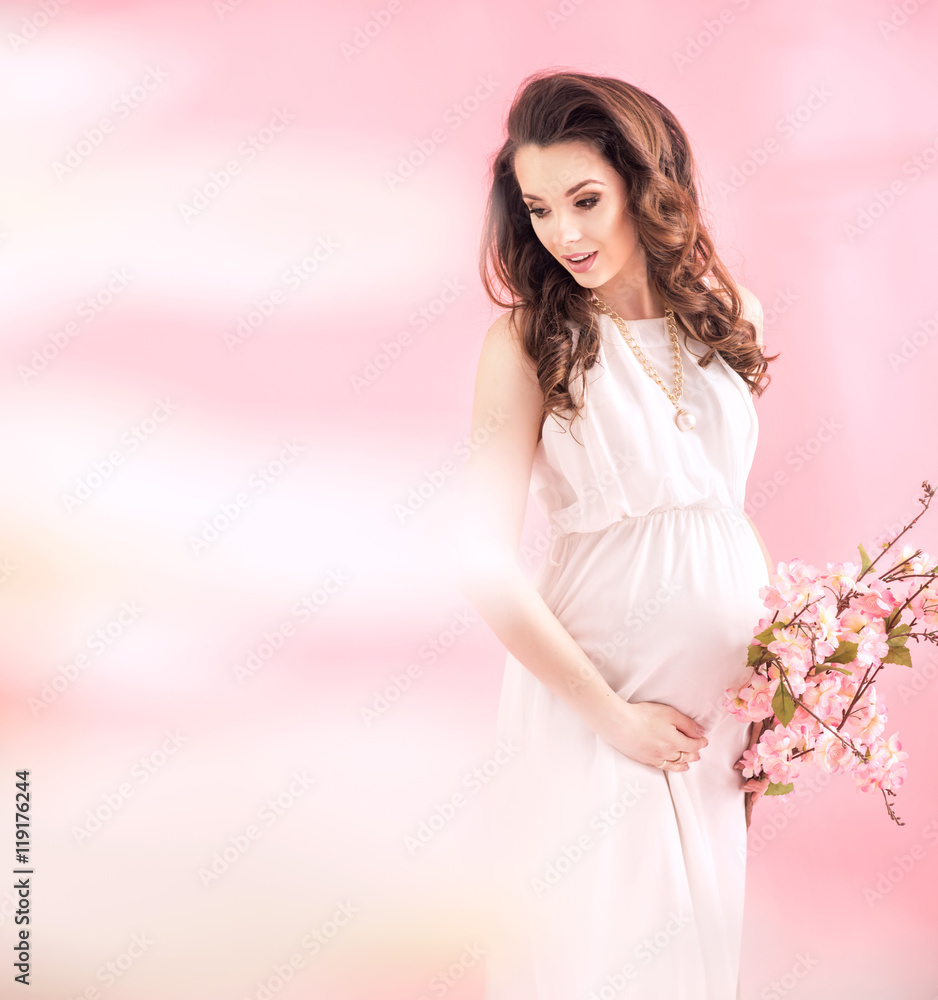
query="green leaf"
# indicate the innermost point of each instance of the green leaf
(840, 670)
(898, 654)
(866, 562)
(768, 635)
(758, 654)
(899, 636)
(846, 652)
(782, 704)
(777, 789)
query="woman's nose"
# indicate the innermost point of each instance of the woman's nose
(566, 232)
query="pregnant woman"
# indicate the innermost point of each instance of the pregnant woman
(620, 381)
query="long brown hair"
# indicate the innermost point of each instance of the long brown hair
(640, 138)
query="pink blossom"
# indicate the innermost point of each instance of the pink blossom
(868, 718)
(925, 606)
(842, 576)
(751, 702)
(752, 763)
(773, 599)
(827, 620)
(824, 697)
(911, 560)
(886, 767)
(793, 648)
(764, 623)
(760, 692)
(831, 754)
(878, 601)
(795, 584)
(806, 724)
(775, 750)
(851, 620)
(872, 645)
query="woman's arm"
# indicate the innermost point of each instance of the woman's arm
(762, 545)
(493, 505)
(752, 310)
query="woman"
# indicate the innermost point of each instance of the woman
(621, 379)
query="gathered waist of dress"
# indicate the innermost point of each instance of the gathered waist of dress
(559, 537)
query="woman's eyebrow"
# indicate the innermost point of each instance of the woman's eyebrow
(573, 190)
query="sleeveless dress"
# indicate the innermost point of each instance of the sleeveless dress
(615, 880)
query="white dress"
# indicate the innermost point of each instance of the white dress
(615, 880)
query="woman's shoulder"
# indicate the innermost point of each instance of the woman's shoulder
(752, 307)
(504, 340)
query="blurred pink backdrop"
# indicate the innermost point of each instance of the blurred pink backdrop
(241, 323)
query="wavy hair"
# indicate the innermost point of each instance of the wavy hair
(640, 138)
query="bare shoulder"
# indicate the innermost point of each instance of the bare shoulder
(504, 357)
(752, 307)
(506, 413)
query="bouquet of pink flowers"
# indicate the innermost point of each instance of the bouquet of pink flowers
(815, 660)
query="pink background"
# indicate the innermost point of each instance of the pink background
(830, 223)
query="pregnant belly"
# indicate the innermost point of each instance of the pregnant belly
(664, 605)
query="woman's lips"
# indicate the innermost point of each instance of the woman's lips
(583, 265)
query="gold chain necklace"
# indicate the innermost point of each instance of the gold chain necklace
(682, 418)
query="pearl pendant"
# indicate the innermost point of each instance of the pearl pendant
(685, 420)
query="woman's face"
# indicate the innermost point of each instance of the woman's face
(578, 204)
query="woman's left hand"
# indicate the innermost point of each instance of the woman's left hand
(754, 787)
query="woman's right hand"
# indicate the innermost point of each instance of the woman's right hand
(650, 732)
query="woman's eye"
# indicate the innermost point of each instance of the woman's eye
(585, 203)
